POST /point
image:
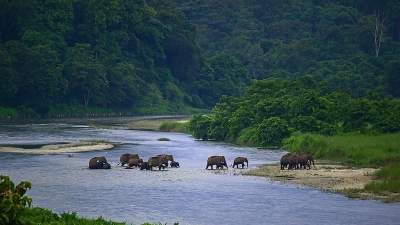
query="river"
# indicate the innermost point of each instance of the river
(189, 195)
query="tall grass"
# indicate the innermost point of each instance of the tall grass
(357, 150)
(169, 126)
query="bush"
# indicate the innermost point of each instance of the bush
(13, 201)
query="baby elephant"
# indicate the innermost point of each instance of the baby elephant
(240, 160)
(175, 164)
(144, 166)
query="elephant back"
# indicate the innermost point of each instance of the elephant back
(240, 160)
(165, 158)
(100, 159)
(124, 158)
(288, 158)
(215, 159)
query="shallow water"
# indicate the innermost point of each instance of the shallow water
(188, 195)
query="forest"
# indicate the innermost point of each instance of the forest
(68, 57)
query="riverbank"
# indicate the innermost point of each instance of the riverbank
(328, 177)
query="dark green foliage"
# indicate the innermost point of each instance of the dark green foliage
(13, 203)
(272, 109)
(272, 132)
(200, 125)
(164, 56)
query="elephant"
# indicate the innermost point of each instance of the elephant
(124, 159)
(156, 161)
(289, 160)
(219, 161)
(165, 158)
(240, 160)
(99, 163)
(144, 166)
(304, 159)
(98, 159)
(135, 162)
(174, 164)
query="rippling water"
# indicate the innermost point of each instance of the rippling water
(188, 195)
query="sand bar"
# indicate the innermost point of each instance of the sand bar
(80, 146)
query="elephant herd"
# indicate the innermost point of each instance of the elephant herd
(133, 160)
(161, 161)
(297, 160)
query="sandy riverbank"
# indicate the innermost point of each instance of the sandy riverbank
(81, 146)
(327, 177)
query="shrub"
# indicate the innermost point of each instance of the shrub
(13, 201)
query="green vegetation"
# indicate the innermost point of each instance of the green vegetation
(38, 215)
(170, 126)
(12, 201)
(272, 109)
(356, 150)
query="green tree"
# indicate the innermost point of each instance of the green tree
(85, 73)
(10, 77)
(272, 132)
(200, 125)
(392, 79)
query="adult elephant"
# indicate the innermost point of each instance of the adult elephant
(289, 160)
(219, 161)
(155, 161)
(99, 163)
(124, 158)
(305, 159)
(98, 159)
(135, 162)
(165, 158)
(240, 160)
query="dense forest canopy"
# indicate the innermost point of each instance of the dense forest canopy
(166, 55)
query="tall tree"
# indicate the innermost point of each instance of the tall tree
(86, 75)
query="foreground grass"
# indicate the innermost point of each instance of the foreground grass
(41, 216)
(379, 151)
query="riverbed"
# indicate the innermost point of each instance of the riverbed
(187, 195)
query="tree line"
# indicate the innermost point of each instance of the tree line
(273, 109)
(160, 56)
(126, 55)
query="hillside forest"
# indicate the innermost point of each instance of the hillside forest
(279, 59)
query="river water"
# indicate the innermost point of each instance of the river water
(189, 195)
